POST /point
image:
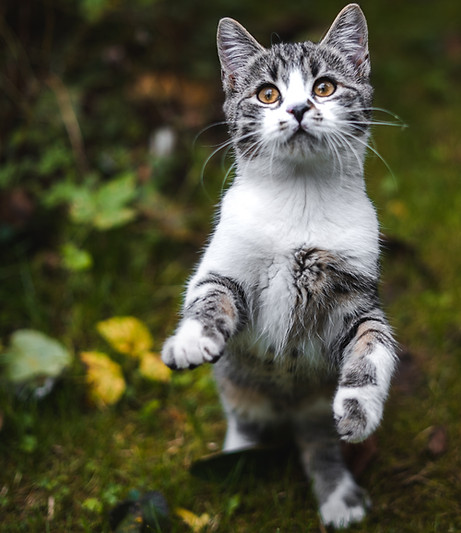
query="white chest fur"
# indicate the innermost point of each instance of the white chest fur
(263, 224)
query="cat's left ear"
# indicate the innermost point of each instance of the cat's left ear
(349, 34)
(235, 47)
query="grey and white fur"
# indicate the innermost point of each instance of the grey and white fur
(284, 301)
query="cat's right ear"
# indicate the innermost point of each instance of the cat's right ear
(235, 46)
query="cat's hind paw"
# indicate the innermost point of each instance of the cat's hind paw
(190, 347)
(346, 505)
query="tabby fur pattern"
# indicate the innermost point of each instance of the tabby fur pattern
(284, 301)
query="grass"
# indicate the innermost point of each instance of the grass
(64, 464)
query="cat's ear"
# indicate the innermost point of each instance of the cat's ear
(235, 46)
(349, 34)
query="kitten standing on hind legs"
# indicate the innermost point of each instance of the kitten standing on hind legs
(284, 301)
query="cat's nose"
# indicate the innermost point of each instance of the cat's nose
(298, 111)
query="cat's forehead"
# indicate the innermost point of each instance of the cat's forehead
(294, 84)
(281, 61)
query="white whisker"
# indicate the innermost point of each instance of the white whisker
(207, 128)
(399, 122)
(344, 142)
(374, 150)
(225, 145)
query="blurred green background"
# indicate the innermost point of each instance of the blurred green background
(106, 198)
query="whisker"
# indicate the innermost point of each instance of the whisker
(369, 147)
(227, 174)
(400, 122)
(334, 147)
(222, 146)
(382, 110)
(372, 123)
(344, 142)
(206, 128)
(254, 150)
(233, 166)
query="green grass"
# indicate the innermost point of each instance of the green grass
(64, 464)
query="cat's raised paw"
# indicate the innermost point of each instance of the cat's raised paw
(355, 417)
(190, 347)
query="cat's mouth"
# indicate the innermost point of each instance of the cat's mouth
(302, 134)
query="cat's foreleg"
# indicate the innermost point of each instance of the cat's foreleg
(367, 363)
(215, 309)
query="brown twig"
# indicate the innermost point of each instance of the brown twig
(70, 121)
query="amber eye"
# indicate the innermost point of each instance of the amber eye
(324, 87)
(268, 94)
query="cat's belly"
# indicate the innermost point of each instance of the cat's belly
(299, 301)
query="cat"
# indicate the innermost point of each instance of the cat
(284, 301)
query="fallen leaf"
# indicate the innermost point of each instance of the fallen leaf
(438, 441)
(196, 523)
(127, 335)
(104, 378)
(33, 354)
(153, 368)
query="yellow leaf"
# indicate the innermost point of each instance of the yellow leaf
(397, 208)
(196, 523)
(152, 367)
(126, 334)
(104, 378)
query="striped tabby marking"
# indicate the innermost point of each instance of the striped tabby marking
(210, 319)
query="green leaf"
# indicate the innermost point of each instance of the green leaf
(104, 207)
(93, 505)
(111, 201)
(33, 354)
(56, 158)
(83, 206)
(75, 259)
(106, 219)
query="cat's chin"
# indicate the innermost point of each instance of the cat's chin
(303, 145)
(303, 136)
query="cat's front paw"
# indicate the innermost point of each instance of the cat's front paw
(190, 347)
(357, 413)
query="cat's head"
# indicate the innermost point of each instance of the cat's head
(297, 99)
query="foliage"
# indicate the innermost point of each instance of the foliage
(104, 377)
(196, 523)
(127, 335)
(32, 355)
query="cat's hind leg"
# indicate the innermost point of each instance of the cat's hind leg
(240, 435)
(341, 500)
(252, 419)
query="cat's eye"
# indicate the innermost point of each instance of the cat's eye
(324, 87)
(268, 94)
